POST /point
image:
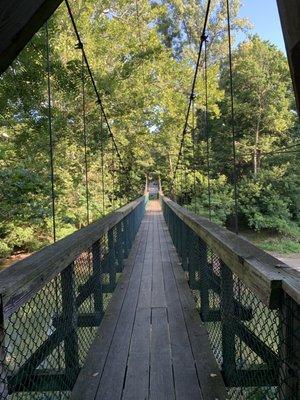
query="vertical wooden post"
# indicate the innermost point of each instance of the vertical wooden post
(227, 313)
(69, 312)
(111, 260)
(204, 279)
(3, 371)
(289, 377)
(98, 293)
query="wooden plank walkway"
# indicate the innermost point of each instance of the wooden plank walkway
(151, 343)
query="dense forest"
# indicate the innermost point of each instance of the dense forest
(143, 56)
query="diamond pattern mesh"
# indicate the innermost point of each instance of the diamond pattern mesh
(256, 348)
(45, 342)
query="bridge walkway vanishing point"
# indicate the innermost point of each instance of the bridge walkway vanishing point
(151, 343)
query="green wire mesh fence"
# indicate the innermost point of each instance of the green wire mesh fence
(45, 340)
(257, 348)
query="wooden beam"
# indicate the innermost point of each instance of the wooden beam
(289, 11)
(263, 274)
(19, 21)
(22, 280)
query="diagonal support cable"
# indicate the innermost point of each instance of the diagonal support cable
(184, 132)
(99, 101)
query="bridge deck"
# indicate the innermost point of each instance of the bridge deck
(151, 343)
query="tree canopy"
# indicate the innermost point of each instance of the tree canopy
(143, 57)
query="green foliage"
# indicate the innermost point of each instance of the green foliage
(221, 199)
(143, 61)
(5, 250)
(262, 204)
(22, 238)
(281, 245)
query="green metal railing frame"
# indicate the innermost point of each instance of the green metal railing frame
(276, 287)
(27, 278)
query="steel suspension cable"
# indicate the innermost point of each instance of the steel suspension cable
(85, 143)
(50, 133)
(194, 152)
(113, 179)
(102, 164)
(184, 132)
(232, 110)
(52, 175)
(99, 101)
(232, 116)
(207, 130)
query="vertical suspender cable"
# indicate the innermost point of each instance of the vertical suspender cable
(102, 163)
(51, 144)
(89, 71)
(207, 130)
(184, 132)
(51, 153)
(233, 148)
(232, 120)
(85, 144)
(113, 176)
(194, 153)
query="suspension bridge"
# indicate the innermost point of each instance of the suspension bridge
(151, 301)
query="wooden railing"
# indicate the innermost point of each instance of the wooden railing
(52, 301)
(249, 301)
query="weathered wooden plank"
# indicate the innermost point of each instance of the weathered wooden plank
(161, 374)
(136, 385)
(19, 21)
(158, 292)
(185, 373)
(137, 375)
(112, 379)
(20, 282)
(211, 383)
(259, 271)
(88, 381)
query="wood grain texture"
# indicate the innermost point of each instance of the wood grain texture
(88, 381)
(209, 377)
(152, 347)
(263, 274)
(20, 282)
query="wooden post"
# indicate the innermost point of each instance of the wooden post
(227, 314)
(289, 377)
(98, 293)
(3, 372)
(69, 312)
(204, 279)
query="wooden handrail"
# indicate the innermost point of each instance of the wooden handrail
(262, 273)
(25, 278)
